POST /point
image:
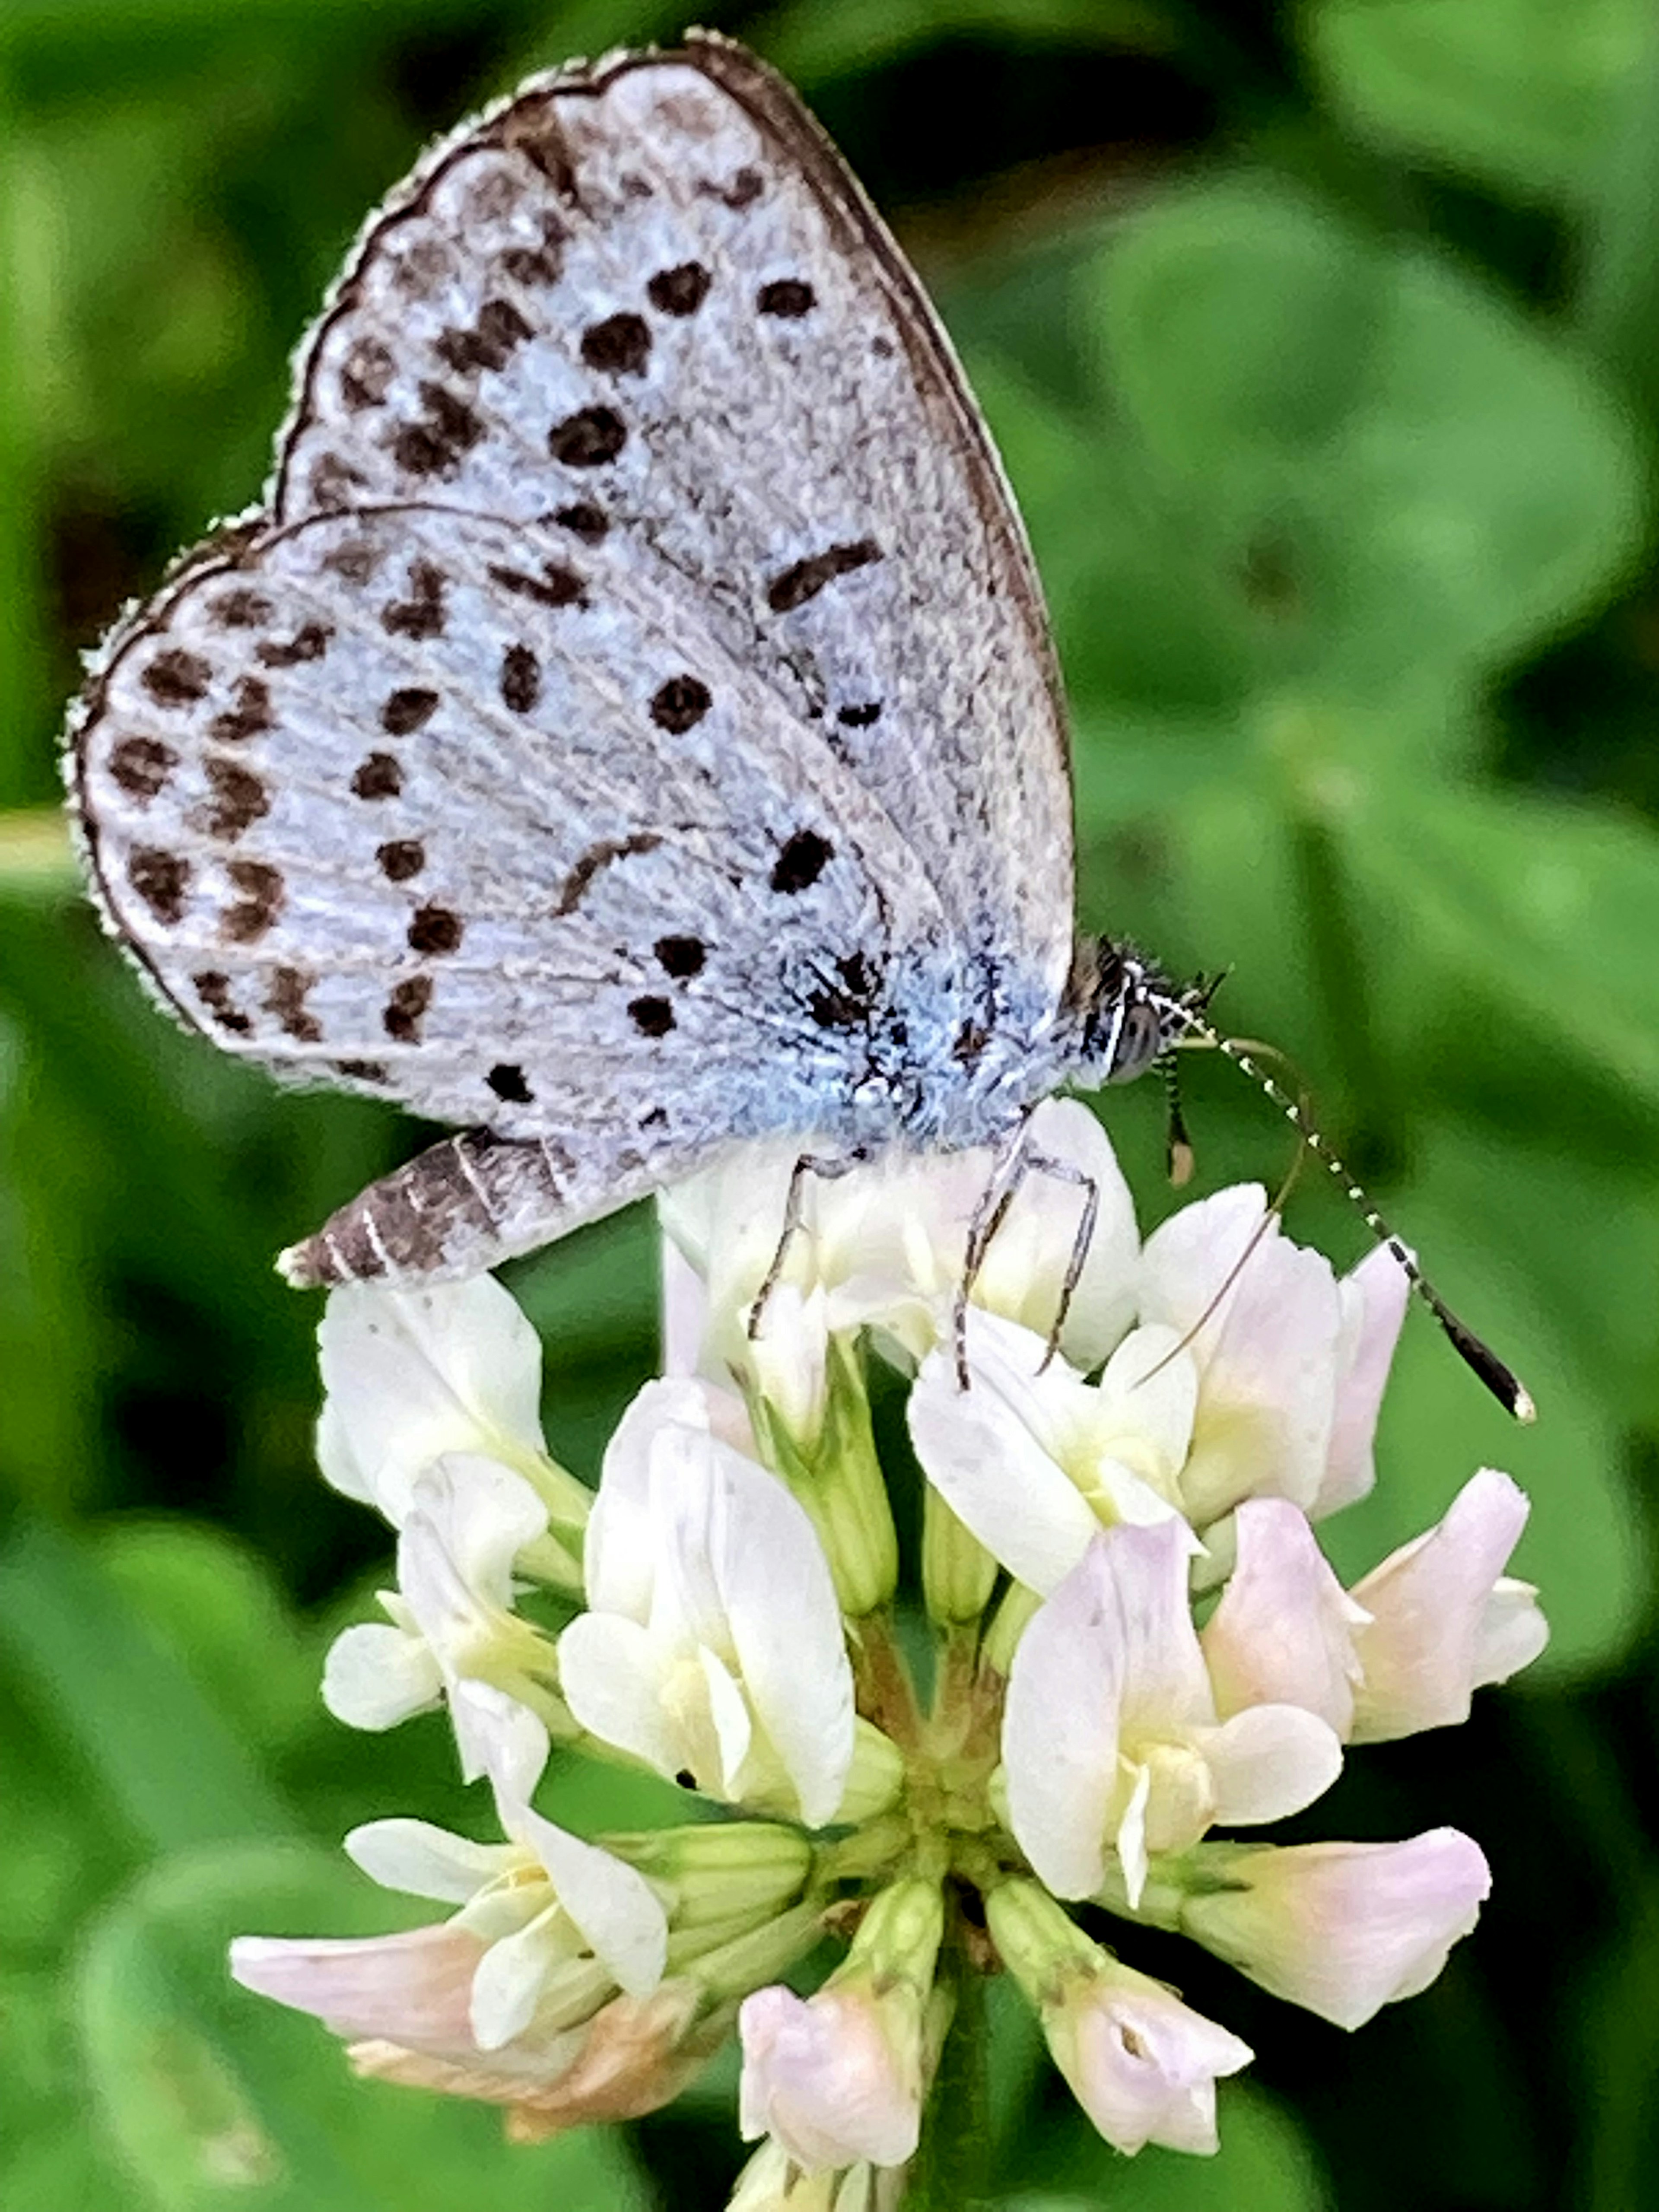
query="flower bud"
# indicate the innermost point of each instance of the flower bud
(837, 2078)
(831, 1465)
(1143, 2065)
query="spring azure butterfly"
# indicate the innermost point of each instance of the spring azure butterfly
(630, 724)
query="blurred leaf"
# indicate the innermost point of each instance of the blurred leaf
(219, 2098)
(34, 853)
(810, 42)
(211, 1602)
(1619, 2063)
(1338, 422)
(1526, 93)
(175, 1773)
(1265, 2163)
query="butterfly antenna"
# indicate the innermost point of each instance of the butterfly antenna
(1248, 1054)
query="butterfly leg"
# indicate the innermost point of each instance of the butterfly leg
(829, 1168)
(1016, 1159)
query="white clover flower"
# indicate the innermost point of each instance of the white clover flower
(1111, 1740)
(713, 1648)
(837, 2078)
(1035, 1460)
(1341, 1929)
(550, 1929)
(1078, 1735)
(1291, 1362)
(452, 1628)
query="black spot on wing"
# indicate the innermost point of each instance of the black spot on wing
(434, 445)
(405, 1008)
(805, 579)
(309, 642)
(286, 998)
(556, 585)
(681, 290)
(521, 678)
(142, 766)
(435, 929)
(407, 710)
(379, 776)
(802, 860)
(248, 716)
(422, 614)
(237, 797)
(619, 346)
(590, 439)
(680, 704)
(490, 341)
(652, 1016)
(213, 989)
(262, 891)
(400, 859)
(507, 1082)
(681, 957)
(161, 879)
(859, 716)
(176, 678)
(583, 519)
(790, 297)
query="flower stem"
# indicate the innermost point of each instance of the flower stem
(952, 2171)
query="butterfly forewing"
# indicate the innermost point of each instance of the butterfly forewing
(648, 303)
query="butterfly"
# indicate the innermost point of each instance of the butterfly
(630, 725)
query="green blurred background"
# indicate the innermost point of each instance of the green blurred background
(1324, 346)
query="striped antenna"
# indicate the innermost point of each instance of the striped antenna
(1506, 1387)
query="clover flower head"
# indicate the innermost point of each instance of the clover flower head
(1142, 1658)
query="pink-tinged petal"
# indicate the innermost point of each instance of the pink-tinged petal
(376, 1675)
(630, 2058)
(424, 1861)
(412, 1374)
(1513, 1632)
(609, 1671)
(1429, 1645)
(819, 2076)
(415, 1987)
(1383, 1290)
(1343, 1928)
(610, 1902)
(1060, 1728)
(1268, 1762)
(1142, 2064)
(1267, 1356)
(1283, 1632)
(981, 1450)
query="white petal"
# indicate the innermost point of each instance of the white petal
(1269, 1761)
(620, 1548)
(1028, 1256)
(786, 1630)
(1266, 1357)
(482, 1514)
(734, 1726)
(453, 1367)
(424, 1861)
(510, 1978)
(1384, 1290)
(610, 1672)
(375, 1676)
(1166, 1688)
(684, 1311)
(1283, 1632)
(1060, 1729)
(612, 1904)
(978, 1449)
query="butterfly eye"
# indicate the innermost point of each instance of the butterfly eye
(1139, 1042)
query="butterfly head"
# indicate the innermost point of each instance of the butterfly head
(1129, 1013)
